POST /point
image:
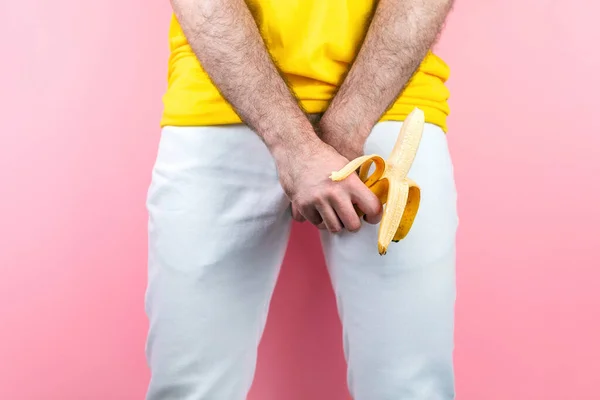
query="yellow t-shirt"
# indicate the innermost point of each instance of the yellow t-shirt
(313, 42)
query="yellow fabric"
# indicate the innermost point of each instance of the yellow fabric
(313, 42)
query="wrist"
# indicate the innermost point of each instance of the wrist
(296, 142)
(347, 137)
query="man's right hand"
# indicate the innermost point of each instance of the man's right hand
(304, 174)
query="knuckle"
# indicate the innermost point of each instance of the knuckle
(329, 193)
(353, 226)
(321, 200)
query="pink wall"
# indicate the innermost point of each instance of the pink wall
(80, 101)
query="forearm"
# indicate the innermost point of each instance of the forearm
(400, 34)
(227, 42)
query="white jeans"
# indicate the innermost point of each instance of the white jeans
(219, 224)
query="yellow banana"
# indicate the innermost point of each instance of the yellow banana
(389, 181)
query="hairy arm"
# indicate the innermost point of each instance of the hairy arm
(399, 36)
(226, 41)
(224, 37)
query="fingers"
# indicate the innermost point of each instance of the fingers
(333, 209)
(346, 213)
(367, 202)
(373, 219)
(328, 215)
(296, 214)
(330, 218)
(312, 215)
(315, 217)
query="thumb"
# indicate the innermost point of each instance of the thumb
(368, 203)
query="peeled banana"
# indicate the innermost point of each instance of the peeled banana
(389, 182)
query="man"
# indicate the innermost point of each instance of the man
(265, 99)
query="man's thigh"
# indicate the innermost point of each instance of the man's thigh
(397, 310)
(218, 228)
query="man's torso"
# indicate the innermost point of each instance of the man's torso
(313, 43)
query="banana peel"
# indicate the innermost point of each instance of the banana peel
(389, 182)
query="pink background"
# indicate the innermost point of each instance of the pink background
(80, 100)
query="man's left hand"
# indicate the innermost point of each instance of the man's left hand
(341, 139)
